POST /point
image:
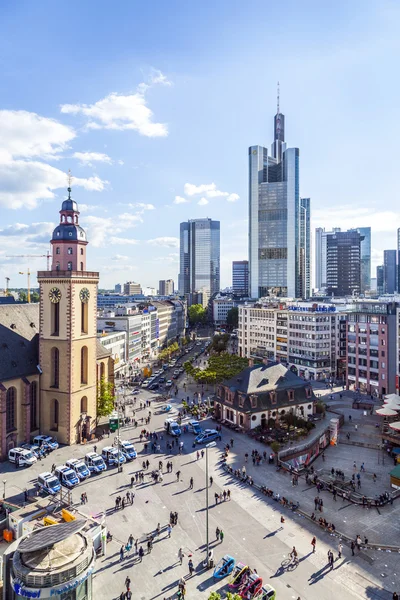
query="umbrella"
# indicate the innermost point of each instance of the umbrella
(386, 411)
(391, 398)
(395, 425)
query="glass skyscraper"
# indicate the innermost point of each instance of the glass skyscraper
(240, 278)
(365, 258)
(389, 271)
(199, 256)
(279, 221)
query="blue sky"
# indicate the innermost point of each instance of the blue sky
(153, 106)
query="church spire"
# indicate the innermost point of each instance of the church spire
(69, 177)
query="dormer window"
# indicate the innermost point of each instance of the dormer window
(291, 394)
(272, 395)
(58, 234)
(241, 401)
(69, 251)
(253, 401)
(308, 392)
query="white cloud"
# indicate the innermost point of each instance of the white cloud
(123, 241)
(180, 200)
(172, 257)
(24, 183)
(25, 134)
(141, 205)
(87, 158)
(203, 202)
(348, 217)
(123, 112)
(120, 257)
(104, 230)
(119, 268)
(209, 190)
(167, 242)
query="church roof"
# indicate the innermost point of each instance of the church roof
(69, 232)
(19, 340)
(265, 378)
(69, 205)
(101, 351)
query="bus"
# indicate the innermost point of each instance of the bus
(113, 421)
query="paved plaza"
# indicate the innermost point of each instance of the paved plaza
(250, 521)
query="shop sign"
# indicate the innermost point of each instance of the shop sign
(26, 592)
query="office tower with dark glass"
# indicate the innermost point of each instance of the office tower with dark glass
(343, 263)
(279, 221)
(379, 279)
(398, 261)
(365, 258)
(320, 256)
(240, 278)
(199, 256)
(389, 271)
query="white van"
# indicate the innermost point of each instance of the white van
(47, 482)
(23, 456)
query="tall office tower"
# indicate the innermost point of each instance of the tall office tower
(365, 258)
(379, 279)
(398, 260)
(240, 277)
(118, 288)
(389, 271)
(199, 256)
(320, 255)
(166, 287)
(343, 263)
(278, 262)
(131, 288)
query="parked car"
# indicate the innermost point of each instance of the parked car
(194, 427)
(168, 384)
(161, 380)
(94, 462)
(128, 450)
(154, 386)
(111, 456)
(46, 440)
(79, 467)
(47, 482)
(66, 476)
(208, 435)
(25, 458)
(172, 427)
(36, 451)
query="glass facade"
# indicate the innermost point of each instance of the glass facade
(279, 222)
(389, 271)
(240, 278)
(365, 258)
(199, 256)
(343, 263)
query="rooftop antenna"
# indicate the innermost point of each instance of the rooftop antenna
(69, 183)
(277, 101)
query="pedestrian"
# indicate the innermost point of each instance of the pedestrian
(141, 553)
(330, 558)
(211, 481)
(178, 474)
(228, 493)
(191, 567)
(356, 427)
(313, 543)
(340, 548)
(136, 545)
(169, 530)
(191, 483)
(216, 497)
(224, 495)
(127, 583)
(130, 540)
(352, 548)
(217, 532)
(180, 555)
(202, 454)
(294, 555)
(358, 542)
(395, 596)
(121, 554)
(221, 536)
(231, 441)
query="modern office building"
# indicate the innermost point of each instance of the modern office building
(131, 288)
(240, 278)
(221, 305)
(379, 279)
(398, 260)
(365, 258)
(389, 271)
(343, 263)
(199, 256)
(279, 253)
(166, 287)
(371, 347)
(118, 288)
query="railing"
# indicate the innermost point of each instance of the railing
(55, 273)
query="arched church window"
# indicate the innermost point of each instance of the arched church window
(11, 409)
(81, 266)
(57, 266)
(33, 403)
(84, 365)
(84, 404)
(55, 414)
(55, 367)
(69, 266)
(69, 251)
(81, 250)
(57, 250)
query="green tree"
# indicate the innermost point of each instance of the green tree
(197, 314)
(105, 399)
(214, 596)
(232, 317)
(35, 297)
(225, 366)
(232, 596)
(22, 296)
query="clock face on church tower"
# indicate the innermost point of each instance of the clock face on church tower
(84, 295)
(55, 295)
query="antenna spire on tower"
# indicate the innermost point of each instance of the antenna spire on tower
(69, 183)
(277, 101)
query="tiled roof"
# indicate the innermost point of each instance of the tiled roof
(19, 340)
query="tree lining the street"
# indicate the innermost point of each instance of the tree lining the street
(197, 314)
(105, 399)
(220, 368)
(232, 318)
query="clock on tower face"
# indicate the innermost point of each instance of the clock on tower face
(84, 295)
(55, 295)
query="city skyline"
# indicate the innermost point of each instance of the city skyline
(133, 176)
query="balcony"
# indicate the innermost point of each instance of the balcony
(68, 274)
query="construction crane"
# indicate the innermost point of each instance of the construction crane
(28, 273)
(7, 285)
(48, 256)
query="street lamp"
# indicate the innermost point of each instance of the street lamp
(210, 445)
(4, 488)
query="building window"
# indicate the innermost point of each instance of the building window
(84, 364)
(69, 266)
(55, 367)
(254, 402)
(55, 318)
(102, 370)
(33, 403)
(83, 404)
(81, 266)
(57, 266)
(309, 406)
(55, 414)
(57, 250)
(84, 317)
(291, 394)
(81, 250)
(308, 392)
(272, 395)
(283, 411)
(69, 251)
(241, 401)
(11, 399)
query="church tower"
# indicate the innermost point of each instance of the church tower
(68, 333)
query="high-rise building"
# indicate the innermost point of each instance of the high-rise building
(379, 279)
(320, 255)
(279, 264)
(389, 271)
(131, 288)
(199, 256)
(240, 278)
(118, 288)
(365, 258)
(166, 287)
(398, 260)
(343, 263)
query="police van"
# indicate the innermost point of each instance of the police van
(66, 476)
(94, 462)
(47, 482)
(79, 467)
(22, 456)
(172, 427)
(111, 456)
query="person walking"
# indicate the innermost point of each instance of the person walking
(121, 554)
(127, 583)
(191, 483)
(169, 530)
(352, 547)
(178, 474)
(340, 548)
(313, 543)
(330, 558)
(217, 532)
(191, 567)
(141, 553)
(221, 536)
(180, 555)
(211, 481)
